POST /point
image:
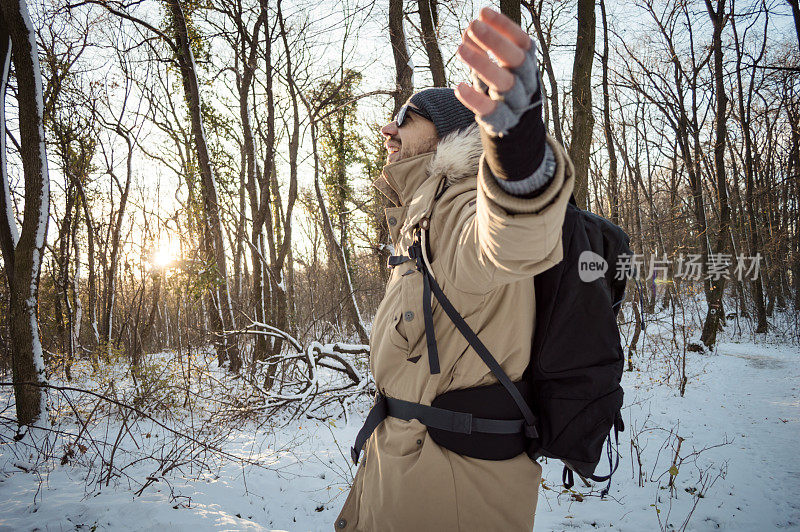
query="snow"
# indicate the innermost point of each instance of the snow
(6, 190)
(739, 423)
(233, 498)
(282, 283)
(388, 247)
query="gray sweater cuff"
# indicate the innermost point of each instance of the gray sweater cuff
(537, 180)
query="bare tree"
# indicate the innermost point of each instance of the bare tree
(582, 117)
(613, 192)
(402, 59)
(544, 34)
(227, 346)
(334, 248)
(715, 315)
(428, 19)
(745, 108)
(271, 253)
(22, 252)
(111, 269)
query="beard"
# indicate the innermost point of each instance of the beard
(411, 148)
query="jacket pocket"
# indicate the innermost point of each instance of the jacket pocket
(399, 324)
(411, 325)
(396, 335)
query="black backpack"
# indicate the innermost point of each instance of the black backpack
(569, 399)
(578, 398)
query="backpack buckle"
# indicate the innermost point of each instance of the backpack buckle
(531, 432)
(415, 250)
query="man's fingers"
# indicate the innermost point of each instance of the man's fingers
(497, 34)
(494, 76)
(476, 101)
(507, 27)
(487, 37)
(466, 39)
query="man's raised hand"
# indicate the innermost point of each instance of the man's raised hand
(502, 91)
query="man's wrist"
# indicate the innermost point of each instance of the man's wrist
(519, 153)
(534, 183)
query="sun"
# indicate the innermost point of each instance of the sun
(165, 256)
(162, 258)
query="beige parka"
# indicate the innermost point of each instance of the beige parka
(486, 247)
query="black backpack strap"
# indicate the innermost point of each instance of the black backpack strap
(619, 426)
(450, 420)
(415, 251)
(430, 416)
(375, 417)
(567, 477)
(397, 260)
(427, 313)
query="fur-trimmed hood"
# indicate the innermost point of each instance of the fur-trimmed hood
(457, 155)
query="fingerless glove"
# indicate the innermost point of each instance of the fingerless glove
(513, 135)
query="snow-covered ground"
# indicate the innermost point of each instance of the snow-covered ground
(738, 427)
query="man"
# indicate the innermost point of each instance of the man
(490, 198)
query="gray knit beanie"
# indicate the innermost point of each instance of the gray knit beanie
(448, 114)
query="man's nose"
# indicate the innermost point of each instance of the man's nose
(390, 129)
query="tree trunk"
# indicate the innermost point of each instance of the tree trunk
(27, 363)
(110, 289)
(77, 316)
(9, 235)
(714, 315)
(511, 9)
(613, 199)
(253, 180)
(259, 204)
(351, 305)
(402, 59)
(91, 304)
(796, 16)
(749, 169)
(63, 313)
(544, 46)
(213, 223)
(793, 168)
(582, 118)
(281, 308)
(147, 330)
(427, 19)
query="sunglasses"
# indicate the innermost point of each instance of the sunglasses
(403, 113)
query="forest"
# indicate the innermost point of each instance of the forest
(193, 251)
